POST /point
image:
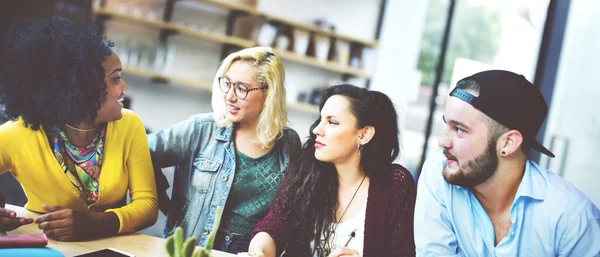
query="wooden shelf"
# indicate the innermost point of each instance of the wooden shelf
(304, 26)
(232, 6)
(318, 30)
(304, 107)
(236, 41)
(327, 65)
(214, 37)
(145, 73)
(132, 19)
(209, 36)
(204, 85)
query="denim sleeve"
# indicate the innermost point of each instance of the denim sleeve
(172, 145)
(580, 233)
(434, 233)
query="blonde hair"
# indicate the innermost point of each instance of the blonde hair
(269, 72)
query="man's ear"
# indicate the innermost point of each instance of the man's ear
(510, 142)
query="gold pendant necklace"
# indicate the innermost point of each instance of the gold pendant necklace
(81, 130)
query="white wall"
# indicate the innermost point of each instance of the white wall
(574, 112)
(396, 67)
(357, 18)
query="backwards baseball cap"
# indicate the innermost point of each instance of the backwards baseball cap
(510, 100)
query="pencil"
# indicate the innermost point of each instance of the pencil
(352, 235)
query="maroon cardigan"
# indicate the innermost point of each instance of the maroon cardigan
(388, 222)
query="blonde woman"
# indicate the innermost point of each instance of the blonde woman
(233, 158)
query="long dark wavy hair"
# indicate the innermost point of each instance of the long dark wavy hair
(310, 193)
(52, 74)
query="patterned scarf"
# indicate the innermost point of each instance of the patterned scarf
(81, 165)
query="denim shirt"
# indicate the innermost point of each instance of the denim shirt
(204, 156)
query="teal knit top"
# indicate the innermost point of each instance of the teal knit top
(255, 185)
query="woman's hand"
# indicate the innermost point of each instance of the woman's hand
(65, 224)
(344, 252)
(262, 245)
(10, 221)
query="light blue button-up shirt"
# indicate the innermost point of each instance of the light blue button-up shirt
(549, 216)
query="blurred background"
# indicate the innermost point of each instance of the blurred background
(414, 51)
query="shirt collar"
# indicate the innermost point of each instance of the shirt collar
(224, 133)
(534, 182)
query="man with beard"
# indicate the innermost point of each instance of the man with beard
(481, 196)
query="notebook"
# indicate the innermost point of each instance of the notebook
(23, 240)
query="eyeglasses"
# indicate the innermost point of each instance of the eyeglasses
(240, 89)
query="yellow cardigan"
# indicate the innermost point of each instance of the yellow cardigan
(127, 165)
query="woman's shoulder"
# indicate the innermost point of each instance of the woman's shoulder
(15, 135)
(399, 178)
(12, 126)
(203, 117)
(400, 173)
(129, 116)
(289, 134)
(202, 121)
(130, 122)
(15, 129)
(290, 137)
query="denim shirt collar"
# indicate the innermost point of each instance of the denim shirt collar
(224, 133)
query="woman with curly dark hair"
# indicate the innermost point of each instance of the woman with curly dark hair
(70, 143)
(344, 184)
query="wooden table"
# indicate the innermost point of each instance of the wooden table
(137, 244)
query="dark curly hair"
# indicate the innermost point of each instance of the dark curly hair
(310, 193)
(52, 74)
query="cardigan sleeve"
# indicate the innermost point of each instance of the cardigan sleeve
(7, 138)
(143, 209)
(403, 206)
(275, 223)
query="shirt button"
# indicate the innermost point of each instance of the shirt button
(206, 231)
(214, 206)
(224, 178)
